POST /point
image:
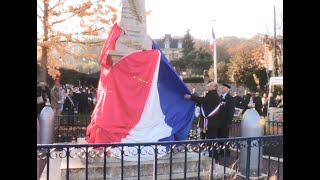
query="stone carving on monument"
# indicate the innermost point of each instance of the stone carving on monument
(131, 18)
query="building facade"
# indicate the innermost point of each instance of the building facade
(171, 46)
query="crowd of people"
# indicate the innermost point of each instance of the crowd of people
(216, 111)
(66, 99)
(259, 103)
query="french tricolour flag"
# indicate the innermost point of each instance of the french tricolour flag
(212, 40)
(139, 99)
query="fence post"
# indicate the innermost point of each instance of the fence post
(46, 120)
(38, 141)
(250, 127)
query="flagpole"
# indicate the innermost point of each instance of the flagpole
(215, 61)
(215, 58)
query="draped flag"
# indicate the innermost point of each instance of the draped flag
(139, 99)
(212, 39)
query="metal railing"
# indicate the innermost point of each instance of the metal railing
(269, 127)
(167, 160)
(69, 128)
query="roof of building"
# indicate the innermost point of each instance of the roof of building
(173, 41)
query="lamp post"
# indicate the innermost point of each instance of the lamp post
(268, 68)
(236, 79)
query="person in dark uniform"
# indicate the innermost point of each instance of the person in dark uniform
(210, 107)
(258, 103)
(237, 100)
(41, 91)
(227, 110)
(245, 101)
(69, 106)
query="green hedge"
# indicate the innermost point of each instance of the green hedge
(193, 79)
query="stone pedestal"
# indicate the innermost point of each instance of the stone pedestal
(77, 168)
(243, 177)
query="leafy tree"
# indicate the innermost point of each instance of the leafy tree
(68, 24)
(203, 44)
(188, 44)
(196, 61)
(244, 63)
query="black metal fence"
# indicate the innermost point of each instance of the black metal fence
(269, 127)
(234, 158)
(69, 128)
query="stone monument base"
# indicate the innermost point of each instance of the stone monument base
(243, 177)
(77, 168)
(116, 55)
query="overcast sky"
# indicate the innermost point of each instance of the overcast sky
(242, 18)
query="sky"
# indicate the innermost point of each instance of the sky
(241, 18)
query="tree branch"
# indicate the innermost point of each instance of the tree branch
(76, 13)
(84, 32)
(84, 42)
(40, 17)
(58, 3)
(40, 7)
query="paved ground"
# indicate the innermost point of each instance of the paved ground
(42, 164)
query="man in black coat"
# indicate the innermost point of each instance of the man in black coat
(227, 110)
(210, 106)
(258, 103)
(245, 101)
(237, 100)
(69, 106)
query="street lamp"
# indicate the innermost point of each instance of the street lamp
(268, 68)
(236, 79)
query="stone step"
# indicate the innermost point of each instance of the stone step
(113, 167)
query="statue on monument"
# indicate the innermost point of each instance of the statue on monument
(131, 19)
(132, 98)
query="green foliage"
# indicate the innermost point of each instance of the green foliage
(69, 76)
(188, 44)
(197, 61)
(222, 70)
(276, 70)
(193, 79)
(263, 79)
(222, 55)
(244, 66)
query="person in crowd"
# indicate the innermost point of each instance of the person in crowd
(237, 100)
(278, 100)
(83, 102)
(280, 104)
(90, 100)
(63, 96)
(264, 101)
(194, 92)
(245, 101)
(210, 104)
(272, 101)
(76, 94)
(258, 103)
(227, 110)
(55, 99)
(69, 107)
(43, 95)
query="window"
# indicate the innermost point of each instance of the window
(180, 44)
(167, 44)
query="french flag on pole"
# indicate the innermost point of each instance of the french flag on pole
(139, 99)
(212, 40)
